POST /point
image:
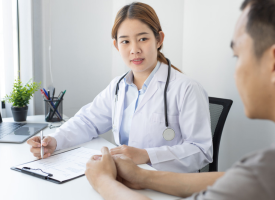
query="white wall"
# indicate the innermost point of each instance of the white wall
(207, 57)
(81, 50)
(78, 32)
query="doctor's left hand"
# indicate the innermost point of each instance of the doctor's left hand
(100, 171)
(139, 156)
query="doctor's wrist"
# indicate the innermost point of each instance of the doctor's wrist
(146, 156)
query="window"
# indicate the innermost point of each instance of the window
(9, 66)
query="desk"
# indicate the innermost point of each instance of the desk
(17, 186)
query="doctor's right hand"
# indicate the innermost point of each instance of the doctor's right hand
(49, 143)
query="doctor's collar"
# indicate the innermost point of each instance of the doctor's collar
(129, 78)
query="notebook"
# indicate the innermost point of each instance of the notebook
(15, 132)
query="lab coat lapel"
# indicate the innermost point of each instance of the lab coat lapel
(153, 87)
(161, 75)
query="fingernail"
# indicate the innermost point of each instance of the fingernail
(38, 145)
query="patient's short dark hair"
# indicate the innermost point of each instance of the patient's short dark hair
(261, 24)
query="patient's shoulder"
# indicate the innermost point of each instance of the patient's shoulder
(259, 160)
(253, 177)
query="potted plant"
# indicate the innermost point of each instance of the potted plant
(20, 97)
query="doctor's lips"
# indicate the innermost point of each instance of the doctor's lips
(137, 61)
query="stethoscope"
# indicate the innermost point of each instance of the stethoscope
(168, 134)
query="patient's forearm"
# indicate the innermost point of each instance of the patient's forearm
(178, 184)
(112, 189)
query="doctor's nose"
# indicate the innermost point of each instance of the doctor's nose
(135, 49)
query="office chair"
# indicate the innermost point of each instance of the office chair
(219, 109)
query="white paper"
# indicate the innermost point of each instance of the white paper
(65, 165)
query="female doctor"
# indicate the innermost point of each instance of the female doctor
(166, 127)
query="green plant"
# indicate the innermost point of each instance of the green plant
(21, 95)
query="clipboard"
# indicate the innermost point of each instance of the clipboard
(43, 174)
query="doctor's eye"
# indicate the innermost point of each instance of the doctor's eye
(143, 39)
(125, 42)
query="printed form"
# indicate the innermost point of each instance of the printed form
(64, 166)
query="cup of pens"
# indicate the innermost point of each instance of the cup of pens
(53, 107)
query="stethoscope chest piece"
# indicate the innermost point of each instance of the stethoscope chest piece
(168, 134)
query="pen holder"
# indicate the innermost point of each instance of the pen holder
(53, 113)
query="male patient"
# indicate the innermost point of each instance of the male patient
(251, 178)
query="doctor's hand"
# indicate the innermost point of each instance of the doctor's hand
(129, 173)
(49, 143)
(99, 171)
(139, 156)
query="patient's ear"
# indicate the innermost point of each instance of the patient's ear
(273, 64)
(115, 44)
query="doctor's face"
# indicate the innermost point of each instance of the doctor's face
(137, 46)
(253, 75)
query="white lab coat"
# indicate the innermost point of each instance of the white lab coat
(188, 115)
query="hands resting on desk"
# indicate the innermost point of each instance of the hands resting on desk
(112, 176)
(113, 173)
(105, 175)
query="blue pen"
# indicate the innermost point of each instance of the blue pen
(46, 92)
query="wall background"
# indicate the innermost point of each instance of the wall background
(197, 38)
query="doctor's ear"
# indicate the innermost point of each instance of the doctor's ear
(160, 39)
(115, 44)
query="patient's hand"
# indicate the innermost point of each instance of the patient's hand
(100, 171)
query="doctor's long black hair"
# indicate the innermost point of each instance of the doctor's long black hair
(145, 14)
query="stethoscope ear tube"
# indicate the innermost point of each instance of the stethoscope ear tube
(165, 92)
(117, 85)
(116, 98)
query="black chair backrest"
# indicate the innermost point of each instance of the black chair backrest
(219, 109)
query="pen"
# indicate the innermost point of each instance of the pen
(42, 148)
(53, 92)
(46, 93)
(49, 94)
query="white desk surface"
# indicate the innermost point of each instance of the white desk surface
(18, 186)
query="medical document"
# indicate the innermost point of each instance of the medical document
(63, 166)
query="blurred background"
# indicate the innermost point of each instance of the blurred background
(67, 43)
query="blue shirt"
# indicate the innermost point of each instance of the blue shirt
(133, 97)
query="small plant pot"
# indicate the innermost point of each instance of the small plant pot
(19, 114)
